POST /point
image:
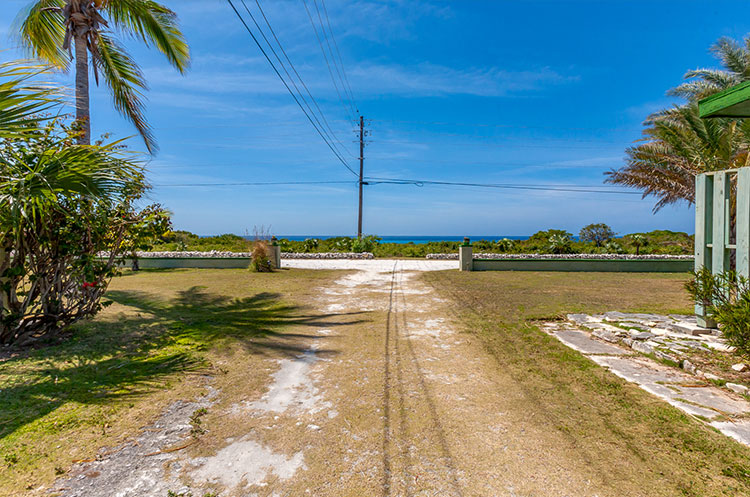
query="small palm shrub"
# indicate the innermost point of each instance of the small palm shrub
(612, 247)
(560, 244)
(726, 299)
(637, 240)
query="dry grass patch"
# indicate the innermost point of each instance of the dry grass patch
(633, 441)
(168, 335)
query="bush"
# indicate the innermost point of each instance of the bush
(726, 299)
(62, 206)
(560, 244)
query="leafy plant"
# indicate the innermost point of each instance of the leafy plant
(67, 217)
(560, 244)
(365, 244)
(505, 245)
(596, 233)
(612, 247)
(726, 299)
(310, 244)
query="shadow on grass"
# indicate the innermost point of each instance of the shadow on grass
(116, 359)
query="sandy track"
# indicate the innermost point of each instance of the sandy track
(401, 405)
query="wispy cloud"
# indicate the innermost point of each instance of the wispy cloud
(427, 79)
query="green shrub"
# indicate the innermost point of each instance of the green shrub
(560, 244)
(726, 299)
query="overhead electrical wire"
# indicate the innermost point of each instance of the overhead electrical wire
(255, 39)
(254, 183)
(294, 69)
(419, 183)
(347, 110)
(341, 60)
(333, 56)
(508, 186)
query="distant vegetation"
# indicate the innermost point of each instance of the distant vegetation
(543, 242)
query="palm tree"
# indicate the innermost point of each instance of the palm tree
(678, 146)
(735, 61)
(59, 31)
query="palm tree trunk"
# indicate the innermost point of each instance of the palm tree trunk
(83, 116)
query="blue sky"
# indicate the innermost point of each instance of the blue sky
(523, 91)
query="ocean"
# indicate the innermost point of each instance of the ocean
(412, 238)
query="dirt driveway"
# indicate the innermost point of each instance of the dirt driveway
(394, 403)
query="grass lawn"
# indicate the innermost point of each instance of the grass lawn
(167, 334)
(634, 441)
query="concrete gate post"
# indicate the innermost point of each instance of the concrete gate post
(466, 256)
(275, 253)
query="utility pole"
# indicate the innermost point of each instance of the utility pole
(361, 171)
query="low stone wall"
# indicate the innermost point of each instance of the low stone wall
(327, 255)
(218, 254)
(222, 260)
(567, 257)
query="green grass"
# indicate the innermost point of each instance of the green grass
(111, 375)
(638, 443)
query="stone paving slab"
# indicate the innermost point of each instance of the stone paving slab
(678, 388)
(739, 430)
(580, 341)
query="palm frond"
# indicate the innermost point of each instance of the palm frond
(125, 79)
(732, 55)
(679, 145)
(155, 25)
(23, 99)
(30, 182)
(42, 31)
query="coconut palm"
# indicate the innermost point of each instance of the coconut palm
(60, 31)
(679, 145)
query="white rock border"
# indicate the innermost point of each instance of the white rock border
(598, 257)
(219, 254)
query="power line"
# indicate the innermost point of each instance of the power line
(330, 71)
(283, 67)
(509, 186)
(445, 123)
(254, 183)
(333, 57)
(294, 69)
(341, 60)
(338, 156)
(415, 182)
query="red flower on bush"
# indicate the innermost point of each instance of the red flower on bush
(89, 284)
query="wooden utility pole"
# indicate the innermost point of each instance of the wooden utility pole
(361, 171)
